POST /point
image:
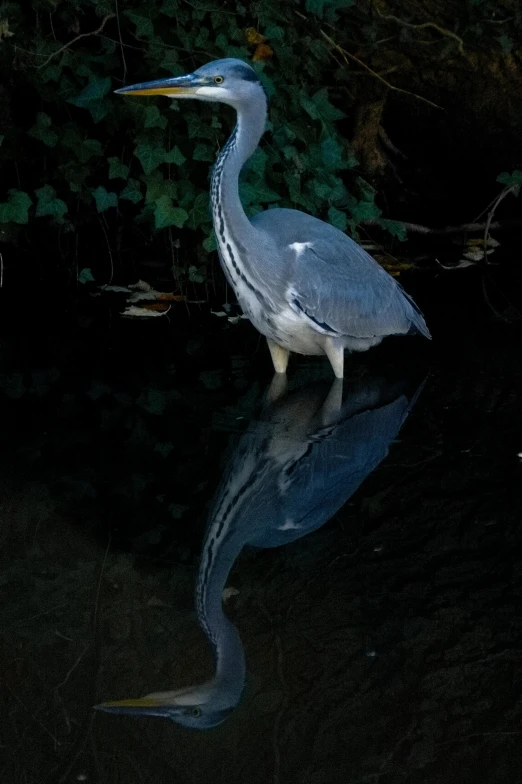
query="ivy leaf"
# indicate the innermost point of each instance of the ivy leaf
(257, 162)
(321, 189)
(274, 33)
(318, 107)
(506, 43)
(2, 137)
(196, 128)
(158, 186)
(337, 218)
(202, 152)
(89, 148)
(197, 275)
(268, 84)
(210, 243)
(51, 72)
(368, 192)
(200, 212)
(144, 26)
(320, 7)
(396, 228)
(170, 8)
(254, 194)
(177, 510)
(48, 204)
(509, 180)
(164, 448)
(132, 191)
(315, 7)
(82, 148)
(175, 156)
(154, 118)
(85, 276)
(42, 130)
(365, 210)
(16, 208)
(117, 169)
(104, 199)
(221, 41)
(92, 98)
(150, 156)
(165, 214)
(332, 155)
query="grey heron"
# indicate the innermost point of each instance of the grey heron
(290, 472)
(304, 284)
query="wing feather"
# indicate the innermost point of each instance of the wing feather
(344, 291)
(334, 283)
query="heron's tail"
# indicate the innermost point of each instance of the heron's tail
(418, 324)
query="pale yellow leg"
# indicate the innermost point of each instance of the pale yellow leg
(277, 388)
(334, 350)
(279, 356)
(333, 404)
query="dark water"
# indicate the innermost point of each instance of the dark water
(383, 647)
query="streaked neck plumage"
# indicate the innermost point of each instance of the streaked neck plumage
(230, 220)
(217, 559)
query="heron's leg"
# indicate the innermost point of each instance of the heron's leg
(334, 350)
(279, 356)
(331, 407)
(277, 388)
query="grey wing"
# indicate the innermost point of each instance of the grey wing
(313, 488)
(344, 291)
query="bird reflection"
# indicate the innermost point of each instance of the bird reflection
(292, 469)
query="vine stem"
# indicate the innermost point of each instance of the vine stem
(77, 38)
(491, 213)
(423, 26)
(347, 55)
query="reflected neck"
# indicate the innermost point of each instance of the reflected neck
(216, 562)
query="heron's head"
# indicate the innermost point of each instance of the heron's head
(228, 81)
(198, 707)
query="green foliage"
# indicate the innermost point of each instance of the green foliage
(117, 169)
(16, 208)
(510, 180)
(79, 150)
(48, 204)
(103, 199)
(43, 131)
(85, 276)
(92, 97)
(166, 214)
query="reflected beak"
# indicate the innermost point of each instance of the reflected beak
(175, 87)
(143, 706)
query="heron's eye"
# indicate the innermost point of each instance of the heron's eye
(195, 713)
(218, 80)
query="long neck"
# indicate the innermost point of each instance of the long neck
(227, 211)
(217, 560)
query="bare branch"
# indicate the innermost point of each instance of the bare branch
(73, 41)
(423, 26)
(348, 56)
(491, 213)
(465, 228)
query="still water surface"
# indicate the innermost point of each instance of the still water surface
(355, 554)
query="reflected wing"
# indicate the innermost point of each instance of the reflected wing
(309, 490)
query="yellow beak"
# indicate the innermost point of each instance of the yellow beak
(175, 87)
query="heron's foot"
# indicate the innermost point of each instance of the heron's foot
(280, 356)
(334, 350)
